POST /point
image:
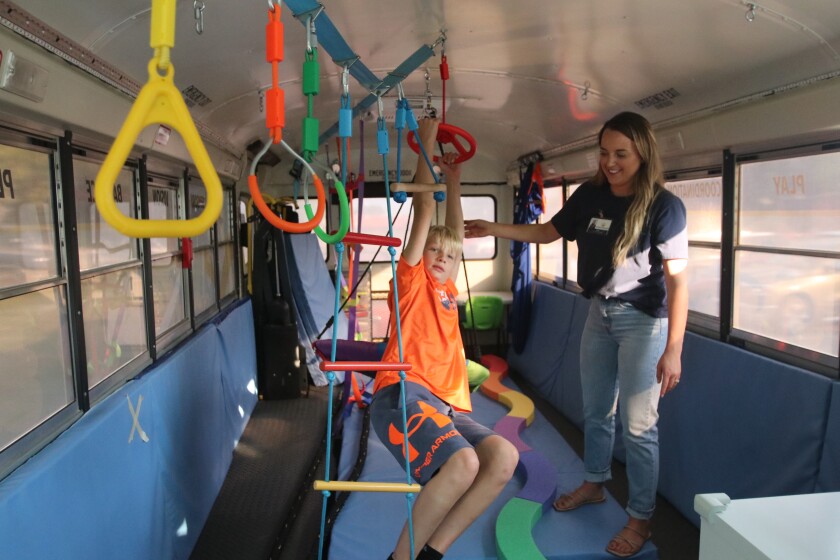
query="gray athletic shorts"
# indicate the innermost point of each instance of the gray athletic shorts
(435, 430)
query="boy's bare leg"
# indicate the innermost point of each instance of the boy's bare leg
(437, 498)
(497, 459)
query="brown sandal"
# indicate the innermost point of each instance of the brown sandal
(578, 499)
(635, 546)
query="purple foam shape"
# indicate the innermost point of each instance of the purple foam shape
(350, 350)
(540, 478)
(510, 427)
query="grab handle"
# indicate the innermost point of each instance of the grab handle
(158, 102)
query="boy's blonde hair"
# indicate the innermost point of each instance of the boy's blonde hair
(447, 238)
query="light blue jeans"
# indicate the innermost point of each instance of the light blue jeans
(619, 351)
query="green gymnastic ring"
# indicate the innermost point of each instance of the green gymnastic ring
(343, 219)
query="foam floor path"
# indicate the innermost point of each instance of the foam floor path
(368, 525)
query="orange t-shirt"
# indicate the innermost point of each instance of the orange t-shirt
(431, 337)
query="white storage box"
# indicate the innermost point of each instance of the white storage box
(804, 527)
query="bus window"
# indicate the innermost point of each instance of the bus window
(226, 249)
(375, 222)
(480, 208)
(168, 278)
(36, 376)
(204, 259)
(100, 245)
(35, 380)
(703, 201)
(27, 232)
(551, 254)
(115, 321)
(112, 287)
(787, 263)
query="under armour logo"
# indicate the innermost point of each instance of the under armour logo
(395, 435)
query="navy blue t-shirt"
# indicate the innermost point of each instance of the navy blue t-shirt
(594, 217)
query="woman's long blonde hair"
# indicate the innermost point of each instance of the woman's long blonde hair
(647, 182)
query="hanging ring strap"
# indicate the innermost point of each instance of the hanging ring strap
(159, 101)
(269, 214)
(162, 37)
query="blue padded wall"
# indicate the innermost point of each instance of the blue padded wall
(571, 400)
(545, 349)
(829, 477)
(740, 424)
(92, 493)
(550, 360)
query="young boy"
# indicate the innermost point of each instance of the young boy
(461, 464)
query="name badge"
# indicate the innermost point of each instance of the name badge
(599, 226)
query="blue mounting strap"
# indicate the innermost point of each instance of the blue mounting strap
(393, 78)
(333, 43)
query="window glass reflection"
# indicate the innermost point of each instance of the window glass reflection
(170, 303)
(99, 243)
(115, 323)
(27, 232)
(36, 377)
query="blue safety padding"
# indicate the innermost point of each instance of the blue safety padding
(237, 352)
(740, 424)
(829, 476)
(313, 296)
(571, 398)
(369, 523)
(550, 360)
(546, 347)
(93, 494)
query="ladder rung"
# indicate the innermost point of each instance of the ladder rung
(349, 486)
(365, 366)
(418, 187)
(368, 239)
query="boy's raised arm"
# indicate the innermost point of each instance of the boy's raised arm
(454, 211)
(422, 202)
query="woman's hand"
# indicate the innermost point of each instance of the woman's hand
(477, 228)
(668, 371)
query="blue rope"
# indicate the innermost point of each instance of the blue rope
(393, 252)
(339, 250)
(339, 247)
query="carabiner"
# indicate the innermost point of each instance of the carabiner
(345, 81)
(198, 12)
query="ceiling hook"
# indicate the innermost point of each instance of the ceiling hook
(750, 15)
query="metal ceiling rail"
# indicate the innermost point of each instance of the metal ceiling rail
(29, 27)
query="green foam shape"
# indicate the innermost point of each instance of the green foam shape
(514, 524)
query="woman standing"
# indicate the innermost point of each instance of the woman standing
(632, 254)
